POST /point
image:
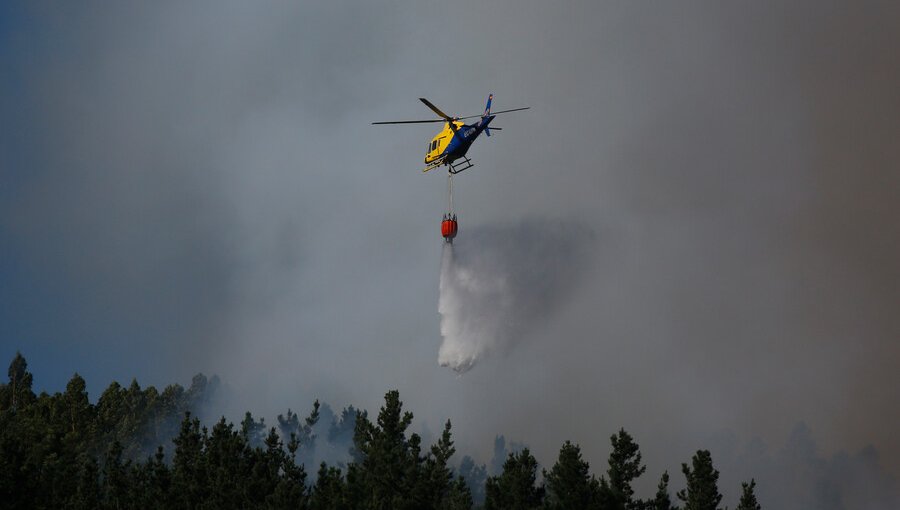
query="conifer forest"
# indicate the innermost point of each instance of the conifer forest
(140, 447)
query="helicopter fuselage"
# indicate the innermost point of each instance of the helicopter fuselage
(454, 141)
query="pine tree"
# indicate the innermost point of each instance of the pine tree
(661, 500)
(171, 405)
(79, 411)
(264, 472)
(386, 473)
(413, 492)
(329, 492)
(604, 498)
(306, 439)
(14, 475)
(189, 468)
(341, 431)
(132, 423)
(624, 467)
(115, 478)
(87, 493)
(290, 488)
(702, 491)
(109, 411)
(18, 393)
(226, 465)
(458, 497)
(748, 498)
(59, 451)
(569, 483)
(252, 430)
(198, 393)
(514, 488)
(159, 481)
(288, 424)
(475, 477)
(437, 478)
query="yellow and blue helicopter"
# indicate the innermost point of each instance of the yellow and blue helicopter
(452, 143)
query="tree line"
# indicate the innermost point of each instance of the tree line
(141, 448)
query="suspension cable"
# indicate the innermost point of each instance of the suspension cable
(450, 191)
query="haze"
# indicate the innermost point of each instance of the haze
(197, 188)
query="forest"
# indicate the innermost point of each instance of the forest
(142, 448)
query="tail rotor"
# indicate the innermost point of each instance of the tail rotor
(487, 113)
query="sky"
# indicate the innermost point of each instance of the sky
(197, 187)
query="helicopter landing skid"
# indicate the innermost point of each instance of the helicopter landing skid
(433, 165)
(459, 167)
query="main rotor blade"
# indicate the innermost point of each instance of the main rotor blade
(513, 110)
(411, 121)
(435, 109)
(496, 113)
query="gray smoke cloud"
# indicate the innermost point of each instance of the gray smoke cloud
(498, 284)
(798, 475)
(196, 187)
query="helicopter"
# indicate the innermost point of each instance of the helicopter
(452, 143)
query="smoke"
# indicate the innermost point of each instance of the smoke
(499, 283)
(190, 189)
(798, 475)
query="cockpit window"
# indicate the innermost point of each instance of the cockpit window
(434, 145)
